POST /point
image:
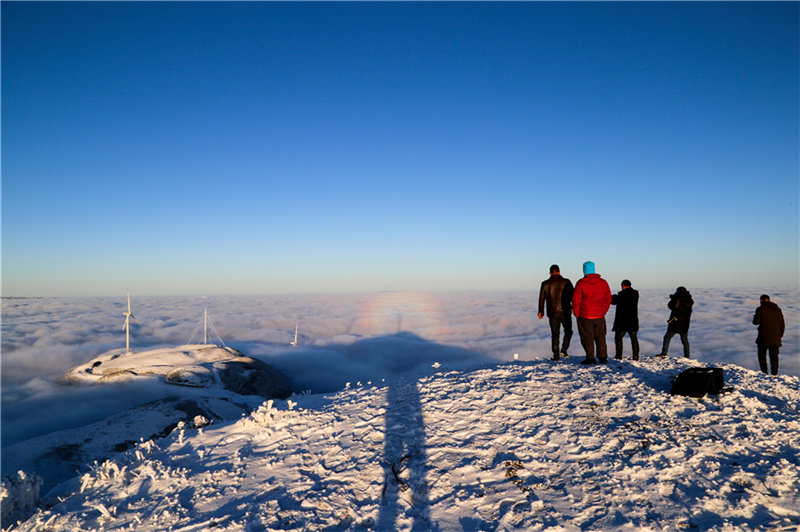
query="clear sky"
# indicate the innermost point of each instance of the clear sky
(207, 148)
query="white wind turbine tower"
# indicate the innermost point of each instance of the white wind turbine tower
(205, 326)
(208, 326)
(127, 326)
(294, 344)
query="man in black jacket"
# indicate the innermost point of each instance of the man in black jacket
(556, 292)
(771, 327)
(626, 319)
(680, 306)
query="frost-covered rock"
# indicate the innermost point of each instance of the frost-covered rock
(19, 495)
(248, 376)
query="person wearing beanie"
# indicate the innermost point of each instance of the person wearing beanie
(556, 294)
(626, 319)
(590, 303)
(680, 306)
(771, 327)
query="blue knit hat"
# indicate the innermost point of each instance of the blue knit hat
(588, 267)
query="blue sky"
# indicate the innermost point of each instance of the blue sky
(207, 148)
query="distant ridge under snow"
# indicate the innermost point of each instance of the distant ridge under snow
(196, 365)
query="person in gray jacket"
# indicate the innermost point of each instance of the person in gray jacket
(771, 327)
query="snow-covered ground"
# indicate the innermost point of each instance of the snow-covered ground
(478, 442)
(529, 446)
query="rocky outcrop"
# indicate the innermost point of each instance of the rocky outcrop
(247, 376)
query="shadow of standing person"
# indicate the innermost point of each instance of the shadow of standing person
(405, 465)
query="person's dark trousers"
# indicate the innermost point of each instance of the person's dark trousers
(684, 341)
(556, 322)
(619, 335)
(773, 358)
(593, 335)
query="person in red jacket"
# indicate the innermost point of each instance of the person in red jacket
(590, 302)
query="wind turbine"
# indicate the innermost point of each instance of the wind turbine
(205, 326)
(294, 344)
(127, 326)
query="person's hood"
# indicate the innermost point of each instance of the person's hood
(592, 278)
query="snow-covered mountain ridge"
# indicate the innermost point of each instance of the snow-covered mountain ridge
(530, 445)
(197, 365)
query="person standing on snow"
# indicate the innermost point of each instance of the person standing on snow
(626, 319)
(771, 327)
(590, 302)
(556, 292)
(680, 306)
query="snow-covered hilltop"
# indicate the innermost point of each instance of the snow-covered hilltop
(530, 445)
(202, 366)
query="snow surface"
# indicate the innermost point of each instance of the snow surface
(530, 445)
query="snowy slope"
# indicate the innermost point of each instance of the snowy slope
(530, 445)
(212, 382)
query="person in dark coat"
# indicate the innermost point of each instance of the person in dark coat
(556, 295)
(680, 306)
(626, 319)
(771, 327)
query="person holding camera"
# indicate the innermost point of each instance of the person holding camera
(680, 306)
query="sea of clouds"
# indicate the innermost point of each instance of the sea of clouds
(342, 339)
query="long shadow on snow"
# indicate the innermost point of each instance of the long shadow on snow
(400, 359)
(405, 462)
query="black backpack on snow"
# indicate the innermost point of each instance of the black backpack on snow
(696, 382)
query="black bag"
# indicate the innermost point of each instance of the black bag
(696, 382)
